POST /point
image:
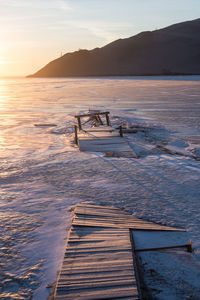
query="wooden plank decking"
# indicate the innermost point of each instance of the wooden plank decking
(104, 139)
(99, 261)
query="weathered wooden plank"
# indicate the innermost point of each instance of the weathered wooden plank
(98, 135)
(104, 250)
(101, 256)
(110, 260)
(92, 268)
(95, 239)
(83, 246)
(95, 206)
(103, 146)
(84, 239)
(95, 251)
(86, 264)
(108, 214)
(135, 226)
(115, 221)
(115, 141)
(107, 282)
(92, 114)
(94, 235)
(110, 255)
(97, 230)
(110, 146)
(89, 135)
(94, 271)
(98, 275)
(96, 244)
(101, 293)
(109, 217)
(95, 284)
(103, 210)
(99, 129)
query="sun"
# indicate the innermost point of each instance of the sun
(2, 60)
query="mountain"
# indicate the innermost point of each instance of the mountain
(171, 50)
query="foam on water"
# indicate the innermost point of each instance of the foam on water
(43, 173)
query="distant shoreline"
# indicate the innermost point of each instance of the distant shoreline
(193, 77)
(115, 75)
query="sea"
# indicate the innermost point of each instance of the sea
(43, 174)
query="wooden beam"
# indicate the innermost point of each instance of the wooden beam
(188, 246)
(79, 123)
(107, 118)
(92, 114)
(76, 134)
(99, 119)
(120, 131)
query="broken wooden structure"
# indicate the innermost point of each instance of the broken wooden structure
(96, 115)
(100, 137)
(99, 261)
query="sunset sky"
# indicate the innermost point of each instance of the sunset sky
(34, 32)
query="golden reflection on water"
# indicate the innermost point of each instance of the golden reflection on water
(4, 96)
(8, 117)
(2, 91)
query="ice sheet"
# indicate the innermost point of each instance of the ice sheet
(43, 173)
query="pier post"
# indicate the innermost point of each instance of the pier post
(120, 131)
(76, 134)
(79, 123)
(107, 119)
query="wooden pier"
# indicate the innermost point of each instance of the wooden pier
(102, 138)
(99, 260)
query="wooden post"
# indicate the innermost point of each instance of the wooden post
(76, 134)
(79, 123)
(99, 119)
(107, 119)
(120, 131)
(188, 246)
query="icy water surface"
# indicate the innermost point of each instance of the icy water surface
(42, 173)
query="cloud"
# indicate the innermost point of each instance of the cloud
(107, 31)
(44, 4)
(63, 5)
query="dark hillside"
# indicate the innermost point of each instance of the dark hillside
(171, 50)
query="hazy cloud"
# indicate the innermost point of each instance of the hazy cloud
(103, 30)
(47, 4)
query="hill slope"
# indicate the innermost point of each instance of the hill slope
(171, 50)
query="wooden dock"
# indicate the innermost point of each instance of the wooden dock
(99, 260)
(101, 138)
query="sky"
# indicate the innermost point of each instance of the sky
(34, 32)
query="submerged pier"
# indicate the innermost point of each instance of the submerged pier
(99, 261)
(102, 138)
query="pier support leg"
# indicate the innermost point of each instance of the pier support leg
(79, 123)
(107, 119)
(120, 131)
(76, 134)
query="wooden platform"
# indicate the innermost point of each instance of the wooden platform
(104, 139)
(99, 261)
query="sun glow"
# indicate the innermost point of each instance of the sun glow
(2, 60)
